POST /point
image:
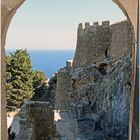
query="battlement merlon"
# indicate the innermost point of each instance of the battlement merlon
(105, 24)
(95, 24)
(87, 25)
(80, 27)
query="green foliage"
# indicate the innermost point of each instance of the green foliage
(19, 78)
(39, 79)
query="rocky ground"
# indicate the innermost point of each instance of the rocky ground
(100, 99)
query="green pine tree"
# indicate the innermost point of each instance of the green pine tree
(19, 78)
(39, 79)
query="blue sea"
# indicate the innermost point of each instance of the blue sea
(49, 61)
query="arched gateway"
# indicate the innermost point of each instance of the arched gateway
(130, 9)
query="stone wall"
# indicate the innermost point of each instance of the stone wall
(122, 38)
(97, 42)
(66, 126)
(96, 90)
(95, 103)
(100, 99)
(92, 41)
(37, 121)
(61, 98)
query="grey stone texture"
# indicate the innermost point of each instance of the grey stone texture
(61, 98)
(98, 87)
(67, 126)
(96, 42)
(122, 38)
(37, 115)
(37, 121)
(101, 102)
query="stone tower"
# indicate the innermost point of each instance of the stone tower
(98, 42)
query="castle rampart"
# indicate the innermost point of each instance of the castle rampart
(122, 39)
(97, 42)
(90, 26)
(92, 43)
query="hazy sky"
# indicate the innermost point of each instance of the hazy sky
(52, 24)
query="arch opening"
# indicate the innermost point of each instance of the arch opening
(106, 51)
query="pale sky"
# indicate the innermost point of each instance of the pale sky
(52, 24)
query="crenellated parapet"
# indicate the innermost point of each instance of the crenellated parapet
(92, 42)
(96, 42)
(88, 26)
(105, 24)
(95, 24)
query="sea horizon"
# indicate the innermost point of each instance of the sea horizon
(47, 60)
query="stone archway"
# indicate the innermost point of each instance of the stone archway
(131, 10)
(9, 8)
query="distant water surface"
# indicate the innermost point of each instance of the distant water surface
(49, 61)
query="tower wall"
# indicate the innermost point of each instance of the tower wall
(81, 53)
(122, 38)
(92, 41)
(97, 42)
